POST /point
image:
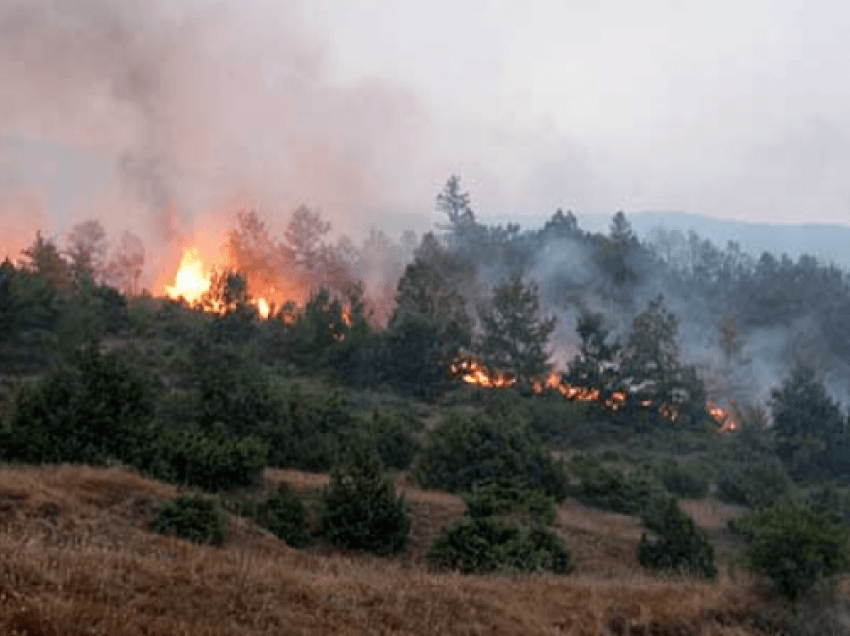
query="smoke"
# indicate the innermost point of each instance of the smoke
(193, 109)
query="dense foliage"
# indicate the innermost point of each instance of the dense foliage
(794, 545)
(211, 462)
(361, 510)
(679, 546)
(753, 485)
(95, 408)
(486, 544)
(463, 452)
(282, 513)
(194, 518)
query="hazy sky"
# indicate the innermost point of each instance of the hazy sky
(726, 109)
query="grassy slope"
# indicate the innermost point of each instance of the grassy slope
(77, 557)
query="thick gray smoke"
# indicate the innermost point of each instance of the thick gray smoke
(197, 111)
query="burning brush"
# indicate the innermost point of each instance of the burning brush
(473, 372)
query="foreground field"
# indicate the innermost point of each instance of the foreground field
(76, 557)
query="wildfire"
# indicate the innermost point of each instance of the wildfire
(722, 417)
(193, 279)
(472, 372)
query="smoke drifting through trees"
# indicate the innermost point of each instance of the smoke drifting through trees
(199, 138)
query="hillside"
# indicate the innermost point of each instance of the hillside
(78, 558)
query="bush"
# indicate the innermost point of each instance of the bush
(212, 462)
(463, 452)
(87, 412)
(282, 513)
(493, 499)
(487, 544)
(361, 510)
(794, 546)
(610, 489)
(753, 486)
(193, 518)
(555, 419)
(831, 503)
(310, 433)
(231, 390)
(679, 546)
(684, 481)
(389, 440)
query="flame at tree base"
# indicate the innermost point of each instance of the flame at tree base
(194, 278)
(474, 373)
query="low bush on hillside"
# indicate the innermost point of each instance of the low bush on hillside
(283, 514)
(679, 546)
(194, 518)
(487, 544)
(611, 489)
(388, 439)
(794, 545)
(310, 432)
(687, 481)
(361, 510)
(212, 461)
(753, 485)
(531, 506)
(831, 502)
(92, 410)
(463, 452)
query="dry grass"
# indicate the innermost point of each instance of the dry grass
(76, 557)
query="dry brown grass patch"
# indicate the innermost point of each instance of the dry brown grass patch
(113, 577)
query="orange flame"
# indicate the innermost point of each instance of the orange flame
(472, 372)
(193, 279)
(722, 417)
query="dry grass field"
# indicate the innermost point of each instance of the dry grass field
(77, 557)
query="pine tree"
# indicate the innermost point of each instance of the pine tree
(515, 335)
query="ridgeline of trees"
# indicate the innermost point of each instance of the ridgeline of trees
(93, 369)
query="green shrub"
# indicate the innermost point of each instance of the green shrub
(232, 389)
(487, 544)
(830, 502)
(87, 412)
(361, 510)
(679, 546)
(555, 419)
(793, 545)
(282, 513)
(310, 433)
(753, 485)
(684, 481)
(199, 520)
(391, 441)
(463, 452)
(212, 462)
(611, 489)
(493, 499)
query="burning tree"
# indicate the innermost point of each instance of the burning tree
(593, 366)
(652, 368)
(515, 335)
